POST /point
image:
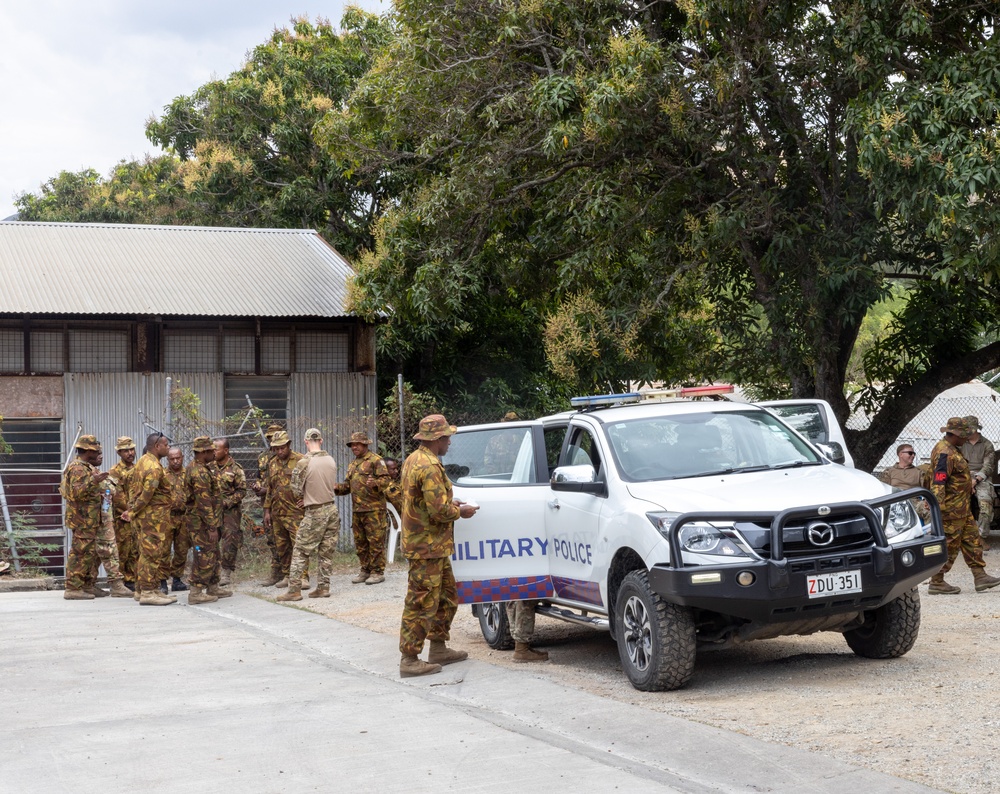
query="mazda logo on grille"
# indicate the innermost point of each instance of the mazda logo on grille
(819, 533)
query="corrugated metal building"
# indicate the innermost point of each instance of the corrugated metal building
(97, 319)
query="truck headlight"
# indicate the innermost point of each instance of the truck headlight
(699, 538)
(900, 517)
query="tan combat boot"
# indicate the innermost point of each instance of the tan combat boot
(78, 595)
(282, 582)
(294, 594)
(525, 653)
(271, 579)
(375, 578)
(938, 586)
(305, 581)
(199, 596)
(98, 592)
(321, 591)
(155, 598)
(119, 590)
(218, 592)
(136, 594)
(225, 577)
(442, 654)
(411, 666)
(983, 580)
(360, 578)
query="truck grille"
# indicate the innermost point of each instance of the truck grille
(850, 532)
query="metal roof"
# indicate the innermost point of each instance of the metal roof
(96, 268)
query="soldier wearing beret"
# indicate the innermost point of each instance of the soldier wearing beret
(952, 485)
(260, 488)
(128, 543)
(232, 489)
(282, 508)
(81, 488)
(367, 481)
(429, 514)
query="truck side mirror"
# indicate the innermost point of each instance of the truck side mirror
(833, 451)
(576, 479)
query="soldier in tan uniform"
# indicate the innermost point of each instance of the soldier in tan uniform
(952, 486)
(128, 544)
(179, 535)
(429, 514)
(107, 546)
(981, 456)
(232, 489)
(82, 489)
(367, 481)
(259, 487)
(205, 520)
(282, 511)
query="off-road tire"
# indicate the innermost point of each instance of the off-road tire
(494, 625)
(656, 639)
(889, 631)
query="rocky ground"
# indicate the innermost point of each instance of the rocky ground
(931, 716)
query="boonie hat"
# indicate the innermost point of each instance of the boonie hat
(124, 442)
(433, 427)
(973, 423)
(89, 443)
(313, 434)
(203, 444)
(359, 438)
(271, 430)
(957, 426)
(279, 439)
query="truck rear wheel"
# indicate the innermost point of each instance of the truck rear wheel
(889, 631)
(656, 640)
(493, 623)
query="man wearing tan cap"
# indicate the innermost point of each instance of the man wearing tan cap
(282, 510)
(367, 481)
(128, 543)
(259, 487)
(981, 455)
(82, 490)
(952, 486)
(429, 514)
(313, 481)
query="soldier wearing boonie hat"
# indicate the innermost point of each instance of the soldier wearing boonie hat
(282, 513)
(952, 486)
(980, 454)
(367, 481)
(124, 442)
(259, 487)
(81, 488)
(205, 519)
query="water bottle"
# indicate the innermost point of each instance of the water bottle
(106, 504)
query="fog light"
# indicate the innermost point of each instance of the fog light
(906, 558)
(706, 578)
(930, 551)
(745, 578)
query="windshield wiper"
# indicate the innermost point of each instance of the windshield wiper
(794, 464)
(741, 469)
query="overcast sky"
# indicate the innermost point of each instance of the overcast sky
(79, 78)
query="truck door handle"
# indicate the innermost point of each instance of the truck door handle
(553, 503)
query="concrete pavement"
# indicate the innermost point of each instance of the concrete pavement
(248, 696)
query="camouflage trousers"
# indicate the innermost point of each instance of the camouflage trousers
(521, 617)
(963, 536)
(232, 538)
(81, 562)
(180, 539)
(318, 531)
(370, 539)
(285, 525)
(430, 605)
(152, 526)
(107, 549)
(128, 549)
(984, 493)
(205, 564)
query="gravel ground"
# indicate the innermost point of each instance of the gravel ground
(929, 717)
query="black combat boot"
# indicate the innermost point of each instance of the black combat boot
(178, 586)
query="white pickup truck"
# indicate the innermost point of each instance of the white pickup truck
(684, 525)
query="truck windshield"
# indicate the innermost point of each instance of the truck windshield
(703, 444)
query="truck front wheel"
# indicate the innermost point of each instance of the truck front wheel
(656, 640)
(889, 631)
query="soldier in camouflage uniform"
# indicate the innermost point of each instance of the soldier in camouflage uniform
(429, 514)
(149, 511)
(313, 482)
(952, 486)
(107, 547)
(205, 519)
(260, 488)
(282, 508)
(82, 489)
(981, 456)
(367, 481)
(128, 544)
(233, 487)
(179, 535)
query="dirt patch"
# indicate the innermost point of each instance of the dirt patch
(929, 717)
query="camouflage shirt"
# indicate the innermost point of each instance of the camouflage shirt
(122, 475)
(363, 498)
(951, 482)
(279, 494)
(148, 487)
(177, 480)
(263, 464)
(394, 495)
(204, 495)
(232, 482)
(83, 498)
(428, 510)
